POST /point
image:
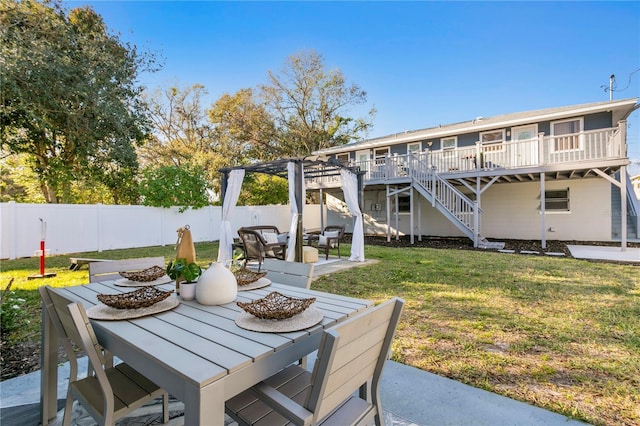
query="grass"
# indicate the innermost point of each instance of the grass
(561, 334)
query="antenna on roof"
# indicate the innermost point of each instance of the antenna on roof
(612, 79)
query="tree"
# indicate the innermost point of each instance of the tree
(168, 186)
(70, 98)
(181, 130)
(243, 128)
(310, 106)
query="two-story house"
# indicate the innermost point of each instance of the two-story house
(557, 173)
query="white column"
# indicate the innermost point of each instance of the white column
(623, 207)
(542, 212)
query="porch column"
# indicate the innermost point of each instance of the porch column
(623, 208)
(542, 212)
(411, 218)
(388, 215)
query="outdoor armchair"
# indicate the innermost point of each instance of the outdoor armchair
(256, 247)
(330, 238)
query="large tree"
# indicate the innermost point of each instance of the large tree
(311, 105)
(70, 98)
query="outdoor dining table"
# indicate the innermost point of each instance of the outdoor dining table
(196, 352)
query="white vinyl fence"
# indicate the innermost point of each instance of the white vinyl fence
(72, 228)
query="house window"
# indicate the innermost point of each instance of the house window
(414, 148)
(404, 204)
(380, 152)
(556, 200)
(566, 135)
(449, 143)
(343, 158)
(492, 141)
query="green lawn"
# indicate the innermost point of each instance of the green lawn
(562, 334)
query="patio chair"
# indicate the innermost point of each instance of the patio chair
(295, 274)
(105, 271)
(257, 248)
(351, 357)
(330, 238)
(109, 393)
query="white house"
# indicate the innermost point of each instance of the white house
(557, 173)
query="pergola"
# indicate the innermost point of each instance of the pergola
(296, 170)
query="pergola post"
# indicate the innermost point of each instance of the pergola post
(223, 185)
(300, 196)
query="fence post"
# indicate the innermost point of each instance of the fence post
(541, 148)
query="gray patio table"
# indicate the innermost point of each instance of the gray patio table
(196, 352)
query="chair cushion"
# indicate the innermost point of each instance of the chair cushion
(282, 238)
(322, 242)
(270, 237)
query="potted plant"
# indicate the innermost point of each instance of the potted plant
(185, 274)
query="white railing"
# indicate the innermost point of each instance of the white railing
(592, 145)
(458, 204)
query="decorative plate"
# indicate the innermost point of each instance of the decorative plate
(246, 276)
(306, 319)
(149, 274)
(107, 313)
(262, 282)
(276, 306)
(124, 282)
(141, 298)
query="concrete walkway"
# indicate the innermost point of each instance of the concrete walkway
(409, 397)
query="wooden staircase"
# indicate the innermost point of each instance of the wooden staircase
(463, 212)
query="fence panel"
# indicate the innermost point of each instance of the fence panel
(80, 227)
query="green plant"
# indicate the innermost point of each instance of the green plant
(190, 272)
(11, 310)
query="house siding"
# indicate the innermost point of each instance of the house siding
(510, 212)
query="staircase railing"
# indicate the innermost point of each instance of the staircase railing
(440, 192)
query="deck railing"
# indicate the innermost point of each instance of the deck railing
(543, 150)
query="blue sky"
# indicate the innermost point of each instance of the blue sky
(421, 63)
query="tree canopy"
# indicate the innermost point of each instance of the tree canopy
(70, 98)
(77, 127)
(310, 106)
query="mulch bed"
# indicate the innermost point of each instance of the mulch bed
(23, 358)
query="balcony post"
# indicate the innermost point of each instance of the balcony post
(476, 223)
(623, 208)
(622, 148)
(540, 148)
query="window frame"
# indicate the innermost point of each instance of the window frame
(553, 146)
(404, 204)
(557, 198)
(342, 161)
(491, 146)
(414, 151)
(449, 138)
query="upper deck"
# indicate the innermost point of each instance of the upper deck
(566, 156)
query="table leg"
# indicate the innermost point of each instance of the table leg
(48, 370)
(204, 406)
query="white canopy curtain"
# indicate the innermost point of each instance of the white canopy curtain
(293, 206)
(350, 189)
(225, 251)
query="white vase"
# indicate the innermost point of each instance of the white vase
(217, 285)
